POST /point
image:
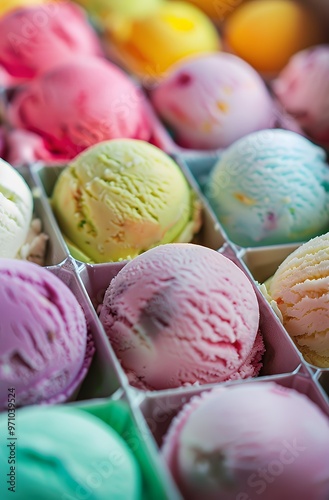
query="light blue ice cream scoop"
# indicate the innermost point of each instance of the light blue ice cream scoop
(271, 187)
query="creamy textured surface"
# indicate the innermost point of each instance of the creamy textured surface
(64, 453)
(79, 104)
(271, 187)
(35, 39)
(180, 314)
(43, 335)
(121, 198)
(303, 90)
(249, 441)
(213, 100)
(300, 288)
(16, 205)
(254, 362)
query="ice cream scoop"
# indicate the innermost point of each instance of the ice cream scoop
(271, 187)
(122, 197)
(79, 104)
(64, 452)
(300, 289)
(43, 335)
(212, 100)
(257, 440)
(174, 31)
(16, 206)
(36, 39)
(303, 90)
(180, 314)
(266, 33)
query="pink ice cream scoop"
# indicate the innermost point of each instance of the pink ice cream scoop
(248, 441)
(43, 335)
(25, 148)
(35, 39)
(303, 90)
(213, 100)
(80, 104)
(180, 314)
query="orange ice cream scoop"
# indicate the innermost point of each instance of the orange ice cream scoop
(266, 33)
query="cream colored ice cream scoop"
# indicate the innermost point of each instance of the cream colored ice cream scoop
(16, 206)
(120, 198)
(300, 288)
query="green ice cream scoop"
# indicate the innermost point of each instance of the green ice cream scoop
(63, 453)
(122, 197)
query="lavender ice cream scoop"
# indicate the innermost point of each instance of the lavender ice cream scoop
(212, 100)
(43, 335)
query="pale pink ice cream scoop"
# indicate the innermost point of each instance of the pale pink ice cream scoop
(212, 100)
(80, 104)
(303, 90)
(180, 314)
(248, 441)
(43, 335)
(35, 39)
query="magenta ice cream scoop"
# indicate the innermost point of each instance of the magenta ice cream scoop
(74, 106)
(36, 39)
(249, 441)
(43, 335)
(182, 314)
(212, 100)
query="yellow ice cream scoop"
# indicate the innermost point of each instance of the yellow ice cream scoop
(119, 198)
(9, 5)
(118, 15)
(266, 33)
(174, 31)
